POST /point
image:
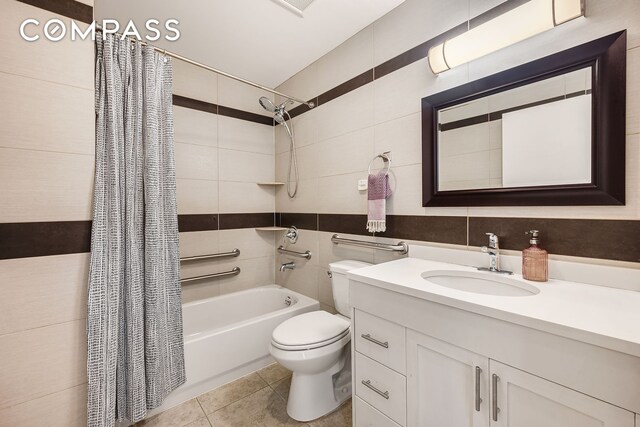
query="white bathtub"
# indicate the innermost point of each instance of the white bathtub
(228, 336)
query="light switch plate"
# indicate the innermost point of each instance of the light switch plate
(362, 184)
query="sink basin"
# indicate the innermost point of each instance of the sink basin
(480, 283)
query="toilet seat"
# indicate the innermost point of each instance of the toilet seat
(309, 331)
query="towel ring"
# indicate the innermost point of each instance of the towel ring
(387, 161)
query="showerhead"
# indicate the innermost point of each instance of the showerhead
(267, 104)
(277, 110)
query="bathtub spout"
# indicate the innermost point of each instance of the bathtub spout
(287, 266)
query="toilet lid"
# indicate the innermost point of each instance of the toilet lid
(310, 330)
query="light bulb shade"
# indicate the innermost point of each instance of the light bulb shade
(520, 23)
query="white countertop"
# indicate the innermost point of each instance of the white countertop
(606, 317)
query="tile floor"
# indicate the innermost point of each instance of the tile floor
(259, 399)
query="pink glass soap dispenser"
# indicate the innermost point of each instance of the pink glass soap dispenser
(535, 260)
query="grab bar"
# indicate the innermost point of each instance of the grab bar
(306, 254)
(234, 272)
(401, 247)
(233, 253)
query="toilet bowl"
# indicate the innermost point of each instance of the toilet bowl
(316, 347)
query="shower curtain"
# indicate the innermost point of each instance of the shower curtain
(134, 326)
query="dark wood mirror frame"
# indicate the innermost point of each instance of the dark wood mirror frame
(607, 57)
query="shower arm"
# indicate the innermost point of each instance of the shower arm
(215, 70)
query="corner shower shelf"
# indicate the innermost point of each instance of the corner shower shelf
(273, 184)
(271, 228)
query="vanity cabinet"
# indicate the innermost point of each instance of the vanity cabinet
(419, 363)
(451, 386)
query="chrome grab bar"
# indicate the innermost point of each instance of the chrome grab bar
(233, 253)
(306, 254)
(370, 386)
(234, 272)
(401, 247)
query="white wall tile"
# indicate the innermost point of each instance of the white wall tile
(197, 196)
(346, 113)
(42, 291)
(303, 85)
(199, 243)
(42, 59)
(633, 91)
(194, 82)
(400, 93)
(202, 289)
(66, 408)
(236, 197)
(254, 272)
(252, 243)
(243, 166)
(415, 22)
(303, 279)
(41, 186)
(347, 153)
(340, 194)
(41, 361)
(306, 199)
(243, 135)
(41, 115)
(195, 127)
(330, 252)
(234, 94)
(403, 137)
(304, 132)
(346, 61)
(196, 161)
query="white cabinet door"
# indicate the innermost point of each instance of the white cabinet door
(525, 400)
(447, 385)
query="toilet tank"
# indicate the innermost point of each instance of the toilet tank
(340, 283)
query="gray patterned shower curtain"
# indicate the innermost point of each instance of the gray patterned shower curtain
(134, 326)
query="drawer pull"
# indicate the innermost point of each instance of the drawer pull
(478, 399)
(368, 384)
(494, 396)
(375, 341)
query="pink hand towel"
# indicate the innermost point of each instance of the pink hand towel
(378, 192)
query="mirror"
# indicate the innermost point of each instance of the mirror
(550, 132)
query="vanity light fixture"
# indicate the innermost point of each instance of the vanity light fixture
(533, 17)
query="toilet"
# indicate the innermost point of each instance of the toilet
(316, 347)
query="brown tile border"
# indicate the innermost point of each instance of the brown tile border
(69, 8)
(305, 221)
(195, 104)
(33, 239)
(245, 115)
(197, 222)
(590, 238)
(231, 221)
(438, 229)
(346, 87)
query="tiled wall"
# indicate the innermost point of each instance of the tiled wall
(46, 182)
(219, 160)
(337, 139)
(46, 174)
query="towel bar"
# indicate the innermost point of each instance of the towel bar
(306, 254)
(401, 247)
(233, 253)
(234, 272)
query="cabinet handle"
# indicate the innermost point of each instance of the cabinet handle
(494, 396)
(368, 384)
(478, 399)
(375, 341)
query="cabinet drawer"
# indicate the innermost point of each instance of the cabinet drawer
(381, 340)
(368, 416)
(381, 387)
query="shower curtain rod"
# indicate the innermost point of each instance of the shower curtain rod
(215, 70)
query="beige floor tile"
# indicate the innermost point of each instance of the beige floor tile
(341, 417)
(263, 408)
(282, 387)
(202, 422)
(229, 393)
(274, 373)
(182, 415)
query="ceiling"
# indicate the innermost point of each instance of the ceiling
(259, 40)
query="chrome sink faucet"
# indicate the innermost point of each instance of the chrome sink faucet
(287, 266)
(494, 255)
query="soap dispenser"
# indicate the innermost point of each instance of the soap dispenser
(535, 260)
